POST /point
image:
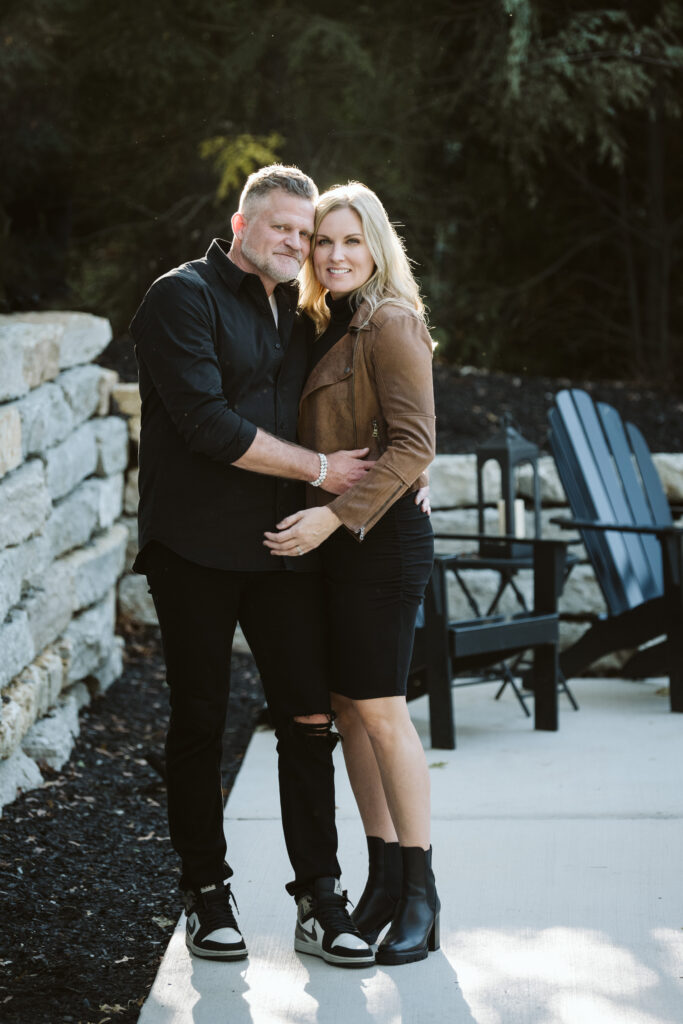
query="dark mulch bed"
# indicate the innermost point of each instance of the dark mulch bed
(88, 879)
(470, 406)
(470, 403)
(87, 876)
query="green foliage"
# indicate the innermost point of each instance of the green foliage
(531, 151)
(234, 159)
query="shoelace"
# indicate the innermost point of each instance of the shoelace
(216, 910)
(332, 914)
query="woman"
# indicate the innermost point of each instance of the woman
(371, 386)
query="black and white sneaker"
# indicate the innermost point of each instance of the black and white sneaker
(211, 931)
(324, 927)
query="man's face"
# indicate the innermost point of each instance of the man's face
(274, 236)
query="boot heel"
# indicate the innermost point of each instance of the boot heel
(433, 941)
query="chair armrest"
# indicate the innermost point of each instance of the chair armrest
(502, 537)
(595, 524)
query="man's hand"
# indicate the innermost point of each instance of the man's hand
(344, 469)
(302, 531)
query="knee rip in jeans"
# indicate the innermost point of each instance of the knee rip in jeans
(313, 730)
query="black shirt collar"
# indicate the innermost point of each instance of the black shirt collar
(235, 277)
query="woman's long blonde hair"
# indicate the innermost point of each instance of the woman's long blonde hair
(392, 279)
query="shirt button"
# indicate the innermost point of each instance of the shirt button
(347, 369)
(278, 345)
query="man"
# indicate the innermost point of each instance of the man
(222, 361)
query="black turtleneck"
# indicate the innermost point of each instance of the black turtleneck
(341, 311)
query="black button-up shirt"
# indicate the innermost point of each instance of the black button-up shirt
(213, 367)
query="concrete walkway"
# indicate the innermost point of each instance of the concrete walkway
(559, 863)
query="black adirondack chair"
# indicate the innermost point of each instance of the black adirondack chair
(445, 648)
(622, 513)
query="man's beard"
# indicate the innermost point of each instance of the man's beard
(268, 266)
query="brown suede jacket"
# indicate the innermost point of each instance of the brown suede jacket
(373, 389)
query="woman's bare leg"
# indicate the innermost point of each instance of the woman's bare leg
(387, 768)
(363, 772)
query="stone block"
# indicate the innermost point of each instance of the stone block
(94, 505)
(24, 503)
(22, 702)
(134, 430)
(18, 774)
(50, 741)
(80, 693)
(11, 579)
(552, 491)
(453, 481)
(581, 594)
(239, 642)
(16, 645)
(111, 437)
(52, 667)
(670, 468)
(71, 461)
(46, 419)
(11, 454)
(126, 399)
(82, 337)
(35, 556)
(81, 389)
(130, 494)
(94, 569)
(135, 601)
(88, 638)
(29, 355)
(131, 525)
(462, 520)
(21, 566)
(483, 584)
(110, 499)
(50, 605)
(111, 667)
(105, 387)
(74, 518)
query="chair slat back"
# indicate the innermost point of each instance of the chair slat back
(647, 551)
(657, 499)
(592, 453)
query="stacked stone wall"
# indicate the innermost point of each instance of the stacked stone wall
(63, 456)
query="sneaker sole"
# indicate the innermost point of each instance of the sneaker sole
(216, 954)
(302, 946)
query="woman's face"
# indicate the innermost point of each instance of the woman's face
(341, 258)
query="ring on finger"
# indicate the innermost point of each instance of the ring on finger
(299, 550)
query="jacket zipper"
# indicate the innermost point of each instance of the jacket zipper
(389, 501)
(375, 427)
(353, 393)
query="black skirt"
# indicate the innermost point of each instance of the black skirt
(373, 593)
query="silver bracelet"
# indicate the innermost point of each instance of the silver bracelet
(323, 471)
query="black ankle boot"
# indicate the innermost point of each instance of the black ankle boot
(382, 890)
(415, 926)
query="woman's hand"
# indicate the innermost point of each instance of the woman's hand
(302, 532)
(422, 499)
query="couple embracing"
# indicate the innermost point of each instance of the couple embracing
(287, 422)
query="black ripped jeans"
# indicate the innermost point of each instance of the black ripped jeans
(282, 616)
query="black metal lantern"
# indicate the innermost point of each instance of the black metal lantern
(510, 450)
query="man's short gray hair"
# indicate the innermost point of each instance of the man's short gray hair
(288, 178)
